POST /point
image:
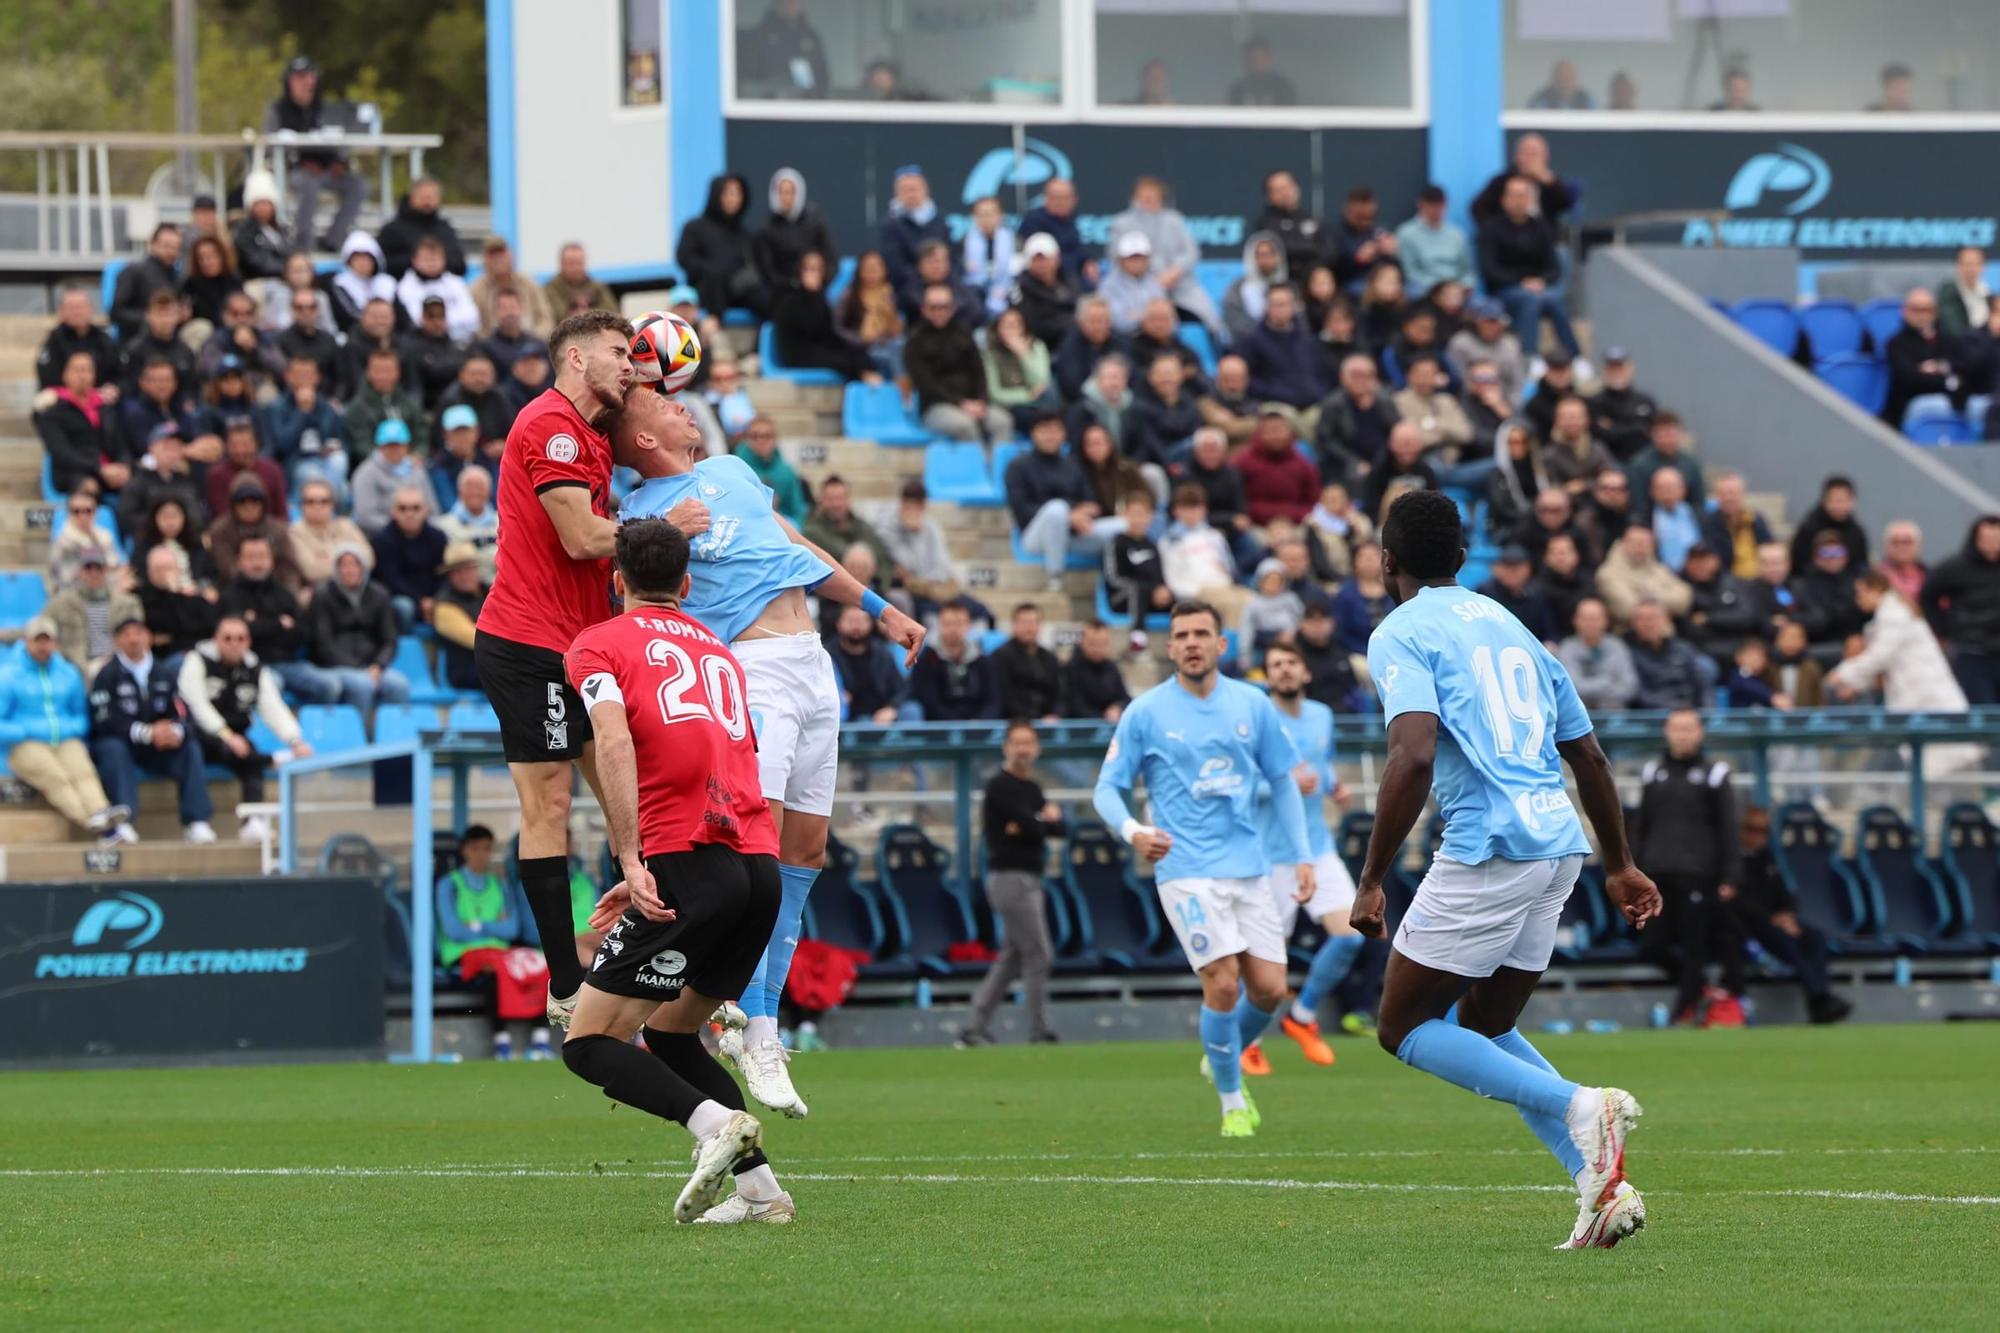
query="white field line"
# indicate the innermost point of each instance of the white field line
(954, 1178)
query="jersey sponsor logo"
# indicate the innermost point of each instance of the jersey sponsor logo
(1532, 805)
(1218, 778)
(561, 449)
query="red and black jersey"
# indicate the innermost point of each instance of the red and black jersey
(540, 596)
(689, 713)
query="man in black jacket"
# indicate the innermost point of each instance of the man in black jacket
(1043, 293)
(74, 332)
(276, 621)
(914, 218)
(1352, 434)
(1049, 498)
(1027, 674)
(945, 369)
(1091, 683)
(1722, 615)
(871, 681)
(1332, 671)
(951, 681)
(1685, 835)
(299, 110)
(138, 723)
(416, 218)
(1671, 673)
(351, 634)
(1017, 822)
(1825, 591)
(1764, 910)
(1512, 585)
(1090, 340)
(408, 552)
(1833, 514)
(1284, 216)
(1520, 267)
(141, 278)
(1961, 598)
(1919, 359)
(1620, 414)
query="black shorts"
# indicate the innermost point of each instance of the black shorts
(727, 904)
(542, 721)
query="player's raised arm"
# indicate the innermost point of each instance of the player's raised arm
(842, 587)
(1597, 791)
(1406, 785)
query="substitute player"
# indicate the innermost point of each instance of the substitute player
(752, 571)
(1201, 742)
(1480, 711)
(1310, 726)
(678, 764)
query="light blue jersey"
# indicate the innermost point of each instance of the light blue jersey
(1201, 759)
(745, 559)
(1311, 734)
(1502, 702)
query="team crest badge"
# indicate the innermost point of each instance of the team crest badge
(1243, 730)
(1198, 942)
(562, 449)
(558, 734)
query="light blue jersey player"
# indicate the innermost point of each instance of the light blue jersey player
(1478, 711)
(1309, 723)
(749, 574)
(1201, 743)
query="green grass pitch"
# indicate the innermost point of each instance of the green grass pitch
(1795, 1178)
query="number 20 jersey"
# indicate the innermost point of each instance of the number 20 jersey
(689, 712)
(1502, 702)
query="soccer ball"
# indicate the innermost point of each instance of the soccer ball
(666, 351)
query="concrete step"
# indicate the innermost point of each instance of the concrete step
(25, 862)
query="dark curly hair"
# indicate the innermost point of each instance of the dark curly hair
(1425, 534)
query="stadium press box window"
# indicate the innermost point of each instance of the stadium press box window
(900, 51)
(1254, 53)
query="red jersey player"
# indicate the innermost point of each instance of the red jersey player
(550, 583)
(677, 763)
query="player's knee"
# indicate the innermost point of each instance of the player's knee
(1391, 1031)
(1267, 996)
(1221, 992)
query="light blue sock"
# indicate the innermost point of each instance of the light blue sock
(1336, 955)
(752, 1003)
(1551, 1130)
(777, 964)
(1459, 1055)
(1221, 1039)
(1250, 1020)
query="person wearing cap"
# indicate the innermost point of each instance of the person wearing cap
(75, 331)
(227, 396)
(139, 725)
(1431, 248)
(158, 271)
(1129, 286)
(250, 511)
(241, 461)
(508, 337)
(1512, 585)
(84, 612)
(299, 110)
(431, 357)
(224, 685)
(389, 468)
(159, 338)
(1521, 268)
(498, 274)
(408, 550)
(1171, 248)
(259, 238)
(467, 575)
(351, 634)
(427, 278)
(458, 446)
(913, 219)
(1044, 294)
(1486, 337)
(44, 718)
(1621, 415)
(307, 433)
(205, 220)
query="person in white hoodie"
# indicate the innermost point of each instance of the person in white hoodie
(427, 277)
(1915, 676)
(1263, 267)
(360, 279)
(989, 255)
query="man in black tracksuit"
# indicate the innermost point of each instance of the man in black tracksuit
(1685, 836)
(1092, 685)
(1764, 910)
(1018, 820)
(1027, 674)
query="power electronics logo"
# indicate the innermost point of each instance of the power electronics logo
(1772, 197)
(109, 938)
(1002, 170)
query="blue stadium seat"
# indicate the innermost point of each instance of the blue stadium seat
(843, 276)
(263, 739)
(331, 728)
(1076, 947)
(1972, 868)
(1195, 334)
(413, 660)
(1907, 904)
(1214, 275)
(1834, 328)
(108, 286)
(1857, 377)
(403, 722)
(1807, 850)
(956, 472)
(1127, 932)
(924, 915)
(49, 492)
(843, 915)
(1937, 424)
(471, 715)
(22, 595)
(772, 367)
(1156, 622)
(877, 412)
(1770, 322)
(1883, 318)
(1004, 453)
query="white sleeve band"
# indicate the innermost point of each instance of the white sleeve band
(1131, 829)
(601, 687)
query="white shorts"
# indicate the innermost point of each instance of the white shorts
(795, 707)
(1474, 920)
(1220, 918)
(1333, 890)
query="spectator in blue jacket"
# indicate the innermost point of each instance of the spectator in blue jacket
(306, 432)
(1056, 216)
(913, 219)
(138, 723)
(43, 720)
(871, 678)
(1284, 357)
(1050, 500)
(159, 401)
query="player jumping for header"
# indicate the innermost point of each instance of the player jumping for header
(751, 572)
(1478, 709)
(1201, 742)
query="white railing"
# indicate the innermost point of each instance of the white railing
(73, 176)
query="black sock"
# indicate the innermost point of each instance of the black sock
(627, 1075)
(683, 1053)
(545, 881)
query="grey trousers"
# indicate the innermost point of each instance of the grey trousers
(1016, 896)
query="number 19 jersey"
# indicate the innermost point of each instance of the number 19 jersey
(689, 713)
(1502, 703)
